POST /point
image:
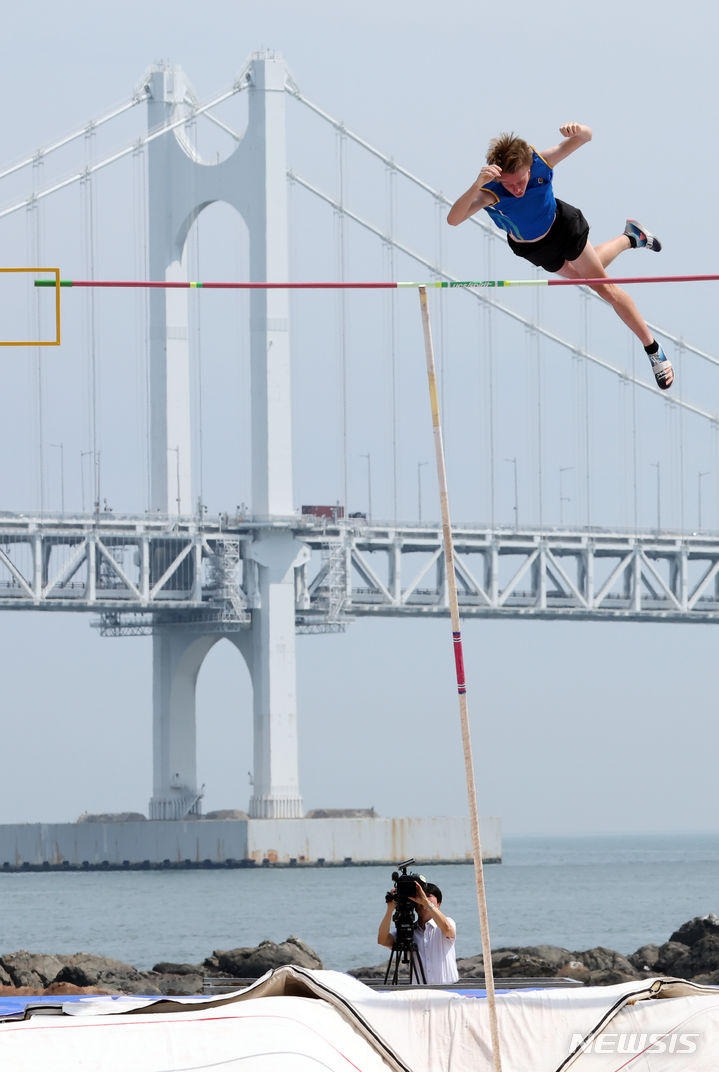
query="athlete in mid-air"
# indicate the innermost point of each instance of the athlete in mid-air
(515, 187)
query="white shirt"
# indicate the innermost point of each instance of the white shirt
(436, 952)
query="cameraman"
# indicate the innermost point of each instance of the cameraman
(434, 934)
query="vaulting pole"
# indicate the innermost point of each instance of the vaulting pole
(461, 684)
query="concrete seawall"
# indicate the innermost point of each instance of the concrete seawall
(242, 843)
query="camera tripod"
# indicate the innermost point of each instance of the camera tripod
(405, 952)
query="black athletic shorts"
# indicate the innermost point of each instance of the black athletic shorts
(564, 240)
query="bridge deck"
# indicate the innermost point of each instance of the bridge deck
(134, 570)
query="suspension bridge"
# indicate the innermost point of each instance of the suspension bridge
(578, 489)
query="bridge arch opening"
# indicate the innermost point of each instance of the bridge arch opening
(223, 698)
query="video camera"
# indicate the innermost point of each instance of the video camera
(404, 916)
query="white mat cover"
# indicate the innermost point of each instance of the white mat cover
(296, 1020)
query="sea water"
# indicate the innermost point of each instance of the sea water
(620, 892)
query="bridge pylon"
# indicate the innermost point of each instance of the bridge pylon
(253, 179)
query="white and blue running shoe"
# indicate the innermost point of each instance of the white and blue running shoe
(644, 238)
(662, 369)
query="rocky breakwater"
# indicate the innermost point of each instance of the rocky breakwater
(691, 952)
(30, 974)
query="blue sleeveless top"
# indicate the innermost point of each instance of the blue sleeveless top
(528, 217)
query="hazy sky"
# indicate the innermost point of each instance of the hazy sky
(577, 727)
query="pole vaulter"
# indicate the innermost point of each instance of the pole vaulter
(515, 188)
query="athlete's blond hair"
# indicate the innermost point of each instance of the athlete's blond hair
(510, 153)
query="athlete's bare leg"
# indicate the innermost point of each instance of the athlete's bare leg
(588, 265)
(607, 251)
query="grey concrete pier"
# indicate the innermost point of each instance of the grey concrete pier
(242, 843)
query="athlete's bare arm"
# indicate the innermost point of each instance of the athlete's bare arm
(575, 135)
(475, 198)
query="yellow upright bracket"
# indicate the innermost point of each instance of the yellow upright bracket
(39, 342)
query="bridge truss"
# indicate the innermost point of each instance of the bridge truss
(140, 572)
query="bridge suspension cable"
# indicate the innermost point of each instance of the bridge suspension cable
(138, 144)
(94, 124)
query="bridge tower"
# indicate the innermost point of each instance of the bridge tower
(253, 180)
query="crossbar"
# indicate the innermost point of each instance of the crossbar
(438, 284)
